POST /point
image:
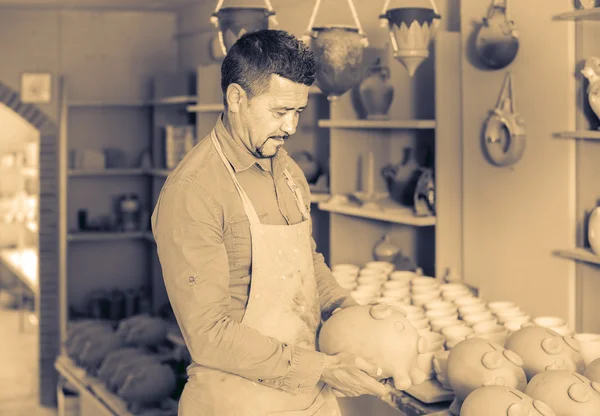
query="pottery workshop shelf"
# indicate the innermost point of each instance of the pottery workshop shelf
(579, 134)
(579, 254)
(105, 236)
(77, 103)
(585, 14)
(182, 99)
(378, 124)
(107, 172)
(205, 108)
(396, 215)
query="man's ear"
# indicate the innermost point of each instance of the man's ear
(235, 97)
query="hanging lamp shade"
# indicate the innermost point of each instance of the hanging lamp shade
(338, 52)
(233, 22)
(411, 30)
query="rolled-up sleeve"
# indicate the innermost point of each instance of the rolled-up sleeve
(188, 228)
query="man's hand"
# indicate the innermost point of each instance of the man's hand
(352, 376)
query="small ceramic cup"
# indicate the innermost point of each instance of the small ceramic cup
(375, 273)
(396, 284)
(456, 332)
(425, 363)
(496, 334)
(402, 292)
(453, 295)
(346, 267)
(421, 299)
(468, 301)
(589, 346)
(521, 316)
(369, 280)
(501, 305)
(386, 266)
(417, 289)
(419, 323)
(402, 276)
(476, 318)
(424, 281)
(471, 309)
(441, 313)
(440, 304)
(439, 324)
(453, 287)
(512, 326)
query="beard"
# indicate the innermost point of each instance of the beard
(260, 150)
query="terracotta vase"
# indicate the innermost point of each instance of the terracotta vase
(236, 21)
(411, 30)
(380, 334)
(593, 230)
(475, 363)
(543, 349)
(503, 401)
(566, 392)
(338, 51)
(376, 92)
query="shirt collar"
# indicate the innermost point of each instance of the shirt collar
(240, 158)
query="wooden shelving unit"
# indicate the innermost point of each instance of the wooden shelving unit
(108, 103)
(395, 216)
(579, 134)
(580, 255)
(205, 108)
(105, 236)
(180, 99)
(106, 172)
(378, 124)
(583, 14)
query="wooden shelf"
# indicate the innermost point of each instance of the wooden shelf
(107, 172)
(160, 172)
(316, 198)
(105, 236)
(579, 254)
(116, 104)
(583, 14)
(378, 124)
(395, 215)
(205, 108)
(181, 99)
(579, 134)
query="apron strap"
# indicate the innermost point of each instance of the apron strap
(297, 195)
(248, 207)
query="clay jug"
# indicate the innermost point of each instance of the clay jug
(593, 230)
(503, 401)
(385, 250)
(543, 349)
(376, 92)
(236, 21)
(338, 51)
(380, 334)
(398, 177)
(307, 164)
(566, 392)
(475, 363)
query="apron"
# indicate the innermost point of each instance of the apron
(284, 304)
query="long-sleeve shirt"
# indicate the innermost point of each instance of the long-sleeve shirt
(204, 246)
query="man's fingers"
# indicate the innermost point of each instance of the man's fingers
(377, 389)
(367, 367)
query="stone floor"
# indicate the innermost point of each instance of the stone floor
(18, 368)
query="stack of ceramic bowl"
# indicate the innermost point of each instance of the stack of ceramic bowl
(435, 344)
(346, 275)
(493, 332)
(455, 291)
(454, 334)
(589, 346)
(416, 316)
(370, 280)
(424, 290)
(554, 323)
(509, 315)
(441, 314)
(440, 366)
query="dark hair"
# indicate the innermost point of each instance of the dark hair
(257, 55)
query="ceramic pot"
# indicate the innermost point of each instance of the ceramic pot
(593, 230)
(566, 392)
(385, 249)
(475, 363)
(307, 164)
(376, 92)
(411, 30)
(94, 351)
(380, 334)
(468, 301)
(592, 371)
(236, 21)
(114, 359)
(338, 51)
(380, 265)
(543, 349)
(149, 384)
(398, 178)
(503, 401)
(589, 345)
(496, 41)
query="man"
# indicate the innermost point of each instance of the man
(233, 231)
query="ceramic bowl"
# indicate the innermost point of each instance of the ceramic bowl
(508, 311)
(521, 317)
(417, 289)
(512, 326)
(396, 284)
(440, 305)
(385, 266)
(456, 332)
(438, 324)
(548, 321)
(471, 309)
(501, 305)
(476, 318)
(402, 292)
(453, 287)
(424, 280)
(419, 323)
(402, 276)
(421, 301)
(375, 273)
(370, 280)
(589, 346)
(346, 267)
(441, 313)
(452, 296)
(468, 301)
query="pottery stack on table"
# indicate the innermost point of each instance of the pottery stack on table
(346, 275)
(369, 282)
(435, 345)
(424, 290)
(554, 323)
(416, 316)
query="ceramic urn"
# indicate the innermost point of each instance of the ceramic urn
(380, 334)
(377, 92)
(503, 401)
(566, 392)
(543, 349)
(475, 363)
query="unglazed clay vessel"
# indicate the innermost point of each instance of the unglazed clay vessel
(143, 331)
(503, 401)
(149, 384)
(592, 371)
(380, 334)
(566, 392)
(127, 367)
(543, 349)
(114, 359)
(95, 350)
(385, 249)
(475, 363)
(376, 92)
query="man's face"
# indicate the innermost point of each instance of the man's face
(268, 119)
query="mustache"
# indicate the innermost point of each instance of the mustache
(284, 137)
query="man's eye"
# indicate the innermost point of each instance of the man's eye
(280, 114)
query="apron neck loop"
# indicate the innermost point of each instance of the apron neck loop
(297, 195)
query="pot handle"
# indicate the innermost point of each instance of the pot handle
(313, 16)
(270, 12)
(433, 6)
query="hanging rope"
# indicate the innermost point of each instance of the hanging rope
(313, 16)
(215, 20)
(383, 22)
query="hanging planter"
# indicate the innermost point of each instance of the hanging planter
(233, 22)
(338, 51)
(411, 30)
(497, 41)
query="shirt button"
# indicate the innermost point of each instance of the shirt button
(192, 279)
(260, 381)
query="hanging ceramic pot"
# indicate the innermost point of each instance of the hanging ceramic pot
(411, 30)
(376, 92)
(233, 22)
(338, 51)
(497, 42)
(593, 230)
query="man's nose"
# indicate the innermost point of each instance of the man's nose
(289, 124)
